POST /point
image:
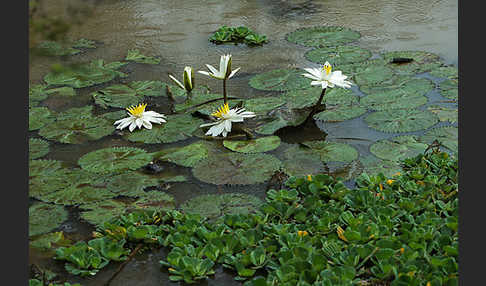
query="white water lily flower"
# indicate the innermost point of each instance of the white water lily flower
(224, 71)
(327, 78)
(138, 117)
(187, 78)
(225, 117)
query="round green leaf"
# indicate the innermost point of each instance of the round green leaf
(449, 72)
(37, 148)
(178, 127)
(449, 88)
(154, 200)
(300, 161)
(339, 55)
(52, 48)
(213, 206)
(263, 105)
(77, 193)
(444, 113)
(340, 113)
(126, 95)
(42, 167)
(77, 131)
(398, 148)
(39, 117)
(236, 168)
(333, 151)
(421, 61)
(103, 211)
(59, 179)
(195, 99)
(409, 95)
(447, 136)
(280, 80)
(373, 166)
(130, 184)
(302, 98)
(135, 56)
(188, 155)
(114, 159)
(324, 36)
(370, 72)
(84, 75)
(45, 217)
(258, 145)
(401, 120)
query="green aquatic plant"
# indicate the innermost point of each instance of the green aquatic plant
(224, 73)
(186, 156)
(187, 79)
(82, 259)
(445, 114)
(132, 93)
(50, 240)
(262, 144)
(397, 148)
(323, 36)
(39, 117)
(338, 56)
(240, 34)
(138, 117)
(85, 74)
(44, 218)
(368, 73)
(279, 80)
(332, 151)
(447, 136)
(236, 168)
(215, 206)
(401, 120)
(411, 62)
(178, 127)
(449, 88)
(449, 72)
(373, 166)
(135, 55)
(300, 161)
(114, 159)
(37, 148)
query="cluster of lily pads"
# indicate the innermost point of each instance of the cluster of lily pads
(112, 181)
(236, 35)
(400, 230)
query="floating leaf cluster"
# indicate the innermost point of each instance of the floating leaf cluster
(236, 35)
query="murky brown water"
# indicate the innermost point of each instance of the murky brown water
(178, 32)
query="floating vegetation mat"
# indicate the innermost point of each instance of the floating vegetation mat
(411, 62)
(333, 151)
(45, 217)
(398, 148)
(447, 136)
(449, 88)
(262, 144)
(401, 120)
(280, 80)
(339, 55)
(37, 148)
(114, 159)
(135, 55)
(214, 206)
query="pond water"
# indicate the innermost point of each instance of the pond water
(178, 32)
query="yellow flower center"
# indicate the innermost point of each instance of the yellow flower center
(327, 68)
(224, 109)
(138, 110)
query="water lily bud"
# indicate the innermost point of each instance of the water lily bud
(188, 78)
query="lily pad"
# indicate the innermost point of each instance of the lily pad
(39, 117)
(40, 92)
(299, 161)
(52, 48)
(236, 168)
(50, 240)
(302, 98)
(37, 148)
(369, 72)
(178, 127)
(447, 136)
(420, 61)
(401, 120)
(59, 179)
(77, 131)
(398, 148)
(191, 104)
(125, 95)
(155, 200)
(130, 184)
(449, 89)
(188, 155)
(373, 166)
(84, 75)
(214, 206)
(339, 55)
(114, 159)
(340, 113)
(45, 217)
(444, 113)
(103, 211)
(387, 85)
(42, 167)
(333, 151)
(258, 145)
(263, 105)
(324, 36)
(135, 56)
(282, 118)
(280, 80)
(409, 95)
(77, 193)
(449, 72)
(84, 43)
